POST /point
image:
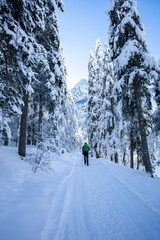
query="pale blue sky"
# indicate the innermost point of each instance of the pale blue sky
(86, 20)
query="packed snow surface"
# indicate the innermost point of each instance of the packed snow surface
(102, 201)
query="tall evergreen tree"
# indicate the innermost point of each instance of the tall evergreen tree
(133, 69)
(91, 117)
(107, 117)
(98, 100)
(32, 68)
(67, 121)
(15, 70)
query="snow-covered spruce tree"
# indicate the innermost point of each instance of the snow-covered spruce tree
(91, 116)
(57, 123)
(107, 117)
(133, 69)
(28, 48)
(67, 122)
(46, 89)
(156, 115)
(7, 72)
(15, 69)
(155, 136)
(35, 40)
(19, 23)
(98, 97)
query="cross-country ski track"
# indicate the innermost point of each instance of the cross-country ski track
(102, 201)
(93, 204)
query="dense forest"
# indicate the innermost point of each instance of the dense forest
(123, 87)
(36, 107)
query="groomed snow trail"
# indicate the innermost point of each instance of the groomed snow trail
(102, 202)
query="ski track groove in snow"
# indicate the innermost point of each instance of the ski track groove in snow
(105, 201)
(54, 214)
(60, 222)
(130, 208)
(96, 205)
(135, 195)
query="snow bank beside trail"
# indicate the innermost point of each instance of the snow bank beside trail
(25, 197)
(75, 202)
(139, 183)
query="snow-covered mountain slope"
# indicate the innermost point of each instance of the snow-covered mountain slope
(97, 202)
(80, 97)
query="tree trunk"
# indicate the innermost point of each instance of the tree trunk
(116, 157)
(6, 61)
(105, 152)
(33, 134)
(124, 157)
(99, 150)
(142, 130)
(137, 160)
(29, 135)
(112, 110)
(23, 127)
(40, 119)
(131, 149)
(6, 140)
(34, 138)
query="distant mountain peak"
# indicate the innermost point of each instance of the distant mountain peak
(83, 81)
(80, 97)
(80, 90)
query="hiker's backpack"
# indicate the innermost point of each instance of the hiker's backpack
(86, 148)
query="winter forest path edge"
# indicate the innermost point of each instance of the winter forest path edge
(94, 203)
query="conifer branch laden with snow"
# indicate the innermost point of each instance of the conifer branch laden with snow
(93, 102)
(134, 72)
(108, 116)
(120, 95)
(33, 76)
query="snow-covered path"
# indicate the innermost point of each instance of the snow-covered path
(93, 204)
(104, 201)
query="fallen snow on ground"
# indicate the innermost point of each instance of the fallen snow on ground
(104, 201)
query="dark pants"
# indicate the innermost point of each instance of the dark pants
(86, 158)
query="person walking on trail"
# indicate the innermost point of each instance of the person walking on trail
(85, 150)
